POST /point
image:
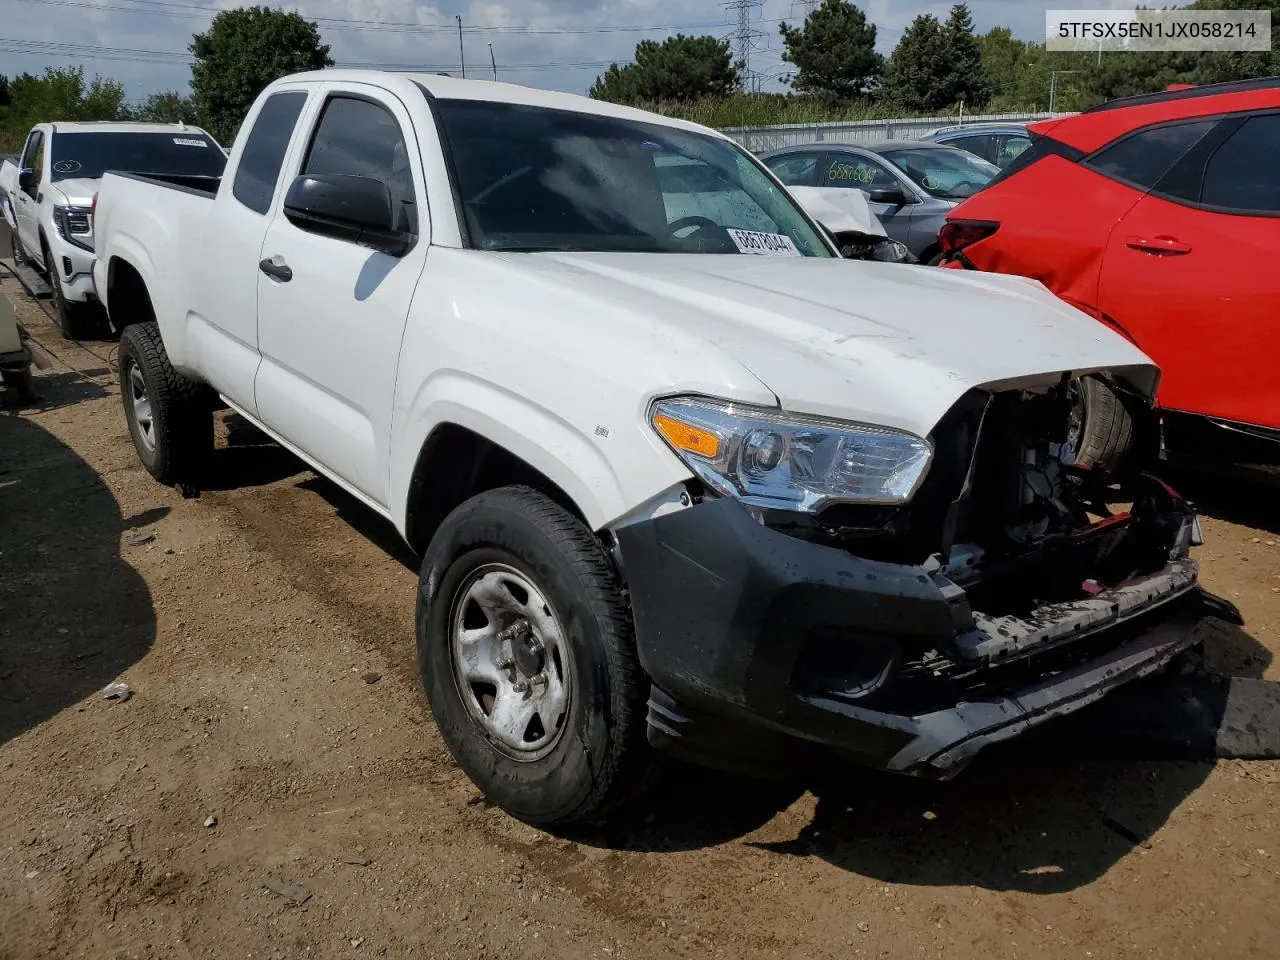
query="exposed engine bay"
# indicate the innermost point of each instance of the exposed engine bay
(1037, 549)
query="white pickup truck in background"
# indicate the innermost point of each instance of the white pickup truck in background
(681, 477)
(48, 196)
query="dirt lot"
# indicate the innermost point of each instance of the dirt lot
(255, 751)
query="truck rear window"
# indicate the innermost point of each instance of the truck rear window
(90, 155)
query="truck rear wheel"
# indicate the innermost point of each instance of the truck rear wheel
(169, 419)
(527, 653)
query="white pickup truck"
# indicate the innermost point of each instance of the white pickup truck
(47, 197)
(681, 478)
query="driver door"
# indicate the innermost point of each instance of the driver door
(26, 208)
(332, 313)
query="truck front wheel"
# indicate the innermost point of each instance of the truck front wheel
(76, 321)
(527, 653)
(169, 420)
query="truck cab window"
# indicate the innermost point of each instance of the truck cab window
(33, 157)
(264, 151)
(359, 138)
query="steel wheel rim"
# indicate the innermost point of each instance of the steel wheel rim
(141, 405)
(512, 666)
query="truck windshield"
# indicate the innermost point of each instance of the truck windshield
(172, 152)
(537, 179)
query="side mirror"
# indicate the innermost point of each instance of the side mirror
(358, 209)
(28, 179)
(893, 196)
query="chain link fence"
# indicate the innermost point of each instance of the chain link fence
(760, 139)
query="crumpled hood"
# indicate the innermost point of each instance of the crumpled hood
(77, 192)
(882, 343)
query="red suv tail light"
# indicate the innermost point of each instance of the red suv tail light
(93, 211)
(956, 235)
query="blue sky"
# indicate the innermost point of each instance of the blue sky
(559, 44)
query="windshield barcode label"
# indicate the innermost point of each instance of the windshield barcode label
(764, 244)
(189, 143)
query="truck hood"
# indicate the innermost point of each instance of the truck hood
(76, 192)
(882, 343)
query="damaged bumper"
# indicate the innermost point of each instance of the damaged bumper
(762, 646)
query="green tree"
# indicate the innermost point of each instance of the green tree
(242, 52)
(59, 94)
(1004, 59)
(916, 75)
(834, 52)
(966, 77)
(167, 107)
(680, 68)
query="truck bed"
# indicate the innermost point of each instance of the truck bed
(200, 186)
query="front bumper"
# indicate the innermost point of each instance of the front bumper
(73, 266)
(762, 647)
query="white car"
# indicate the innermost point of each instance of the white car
(49, 194)
(682, 479)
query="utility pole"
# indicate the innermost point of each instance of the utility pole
(494, 62)
(1053, 85)
(745, 36)
(462, 55)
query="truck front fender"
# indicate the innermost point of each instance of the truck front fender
(560, 451)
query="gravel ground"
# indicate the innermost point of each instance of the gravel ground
(277, 749)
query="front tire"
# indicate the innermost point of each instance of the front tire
(527, 653)
(169, 418)
(76, 321)
(1104, 425)
(15, 245)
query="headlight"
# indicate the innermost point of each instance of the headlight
(74, 225)
(768, 458)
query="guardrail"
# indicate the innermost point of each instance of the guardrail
(759, 139)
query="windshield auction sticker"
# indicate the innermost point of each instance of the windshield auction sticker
(763, 244)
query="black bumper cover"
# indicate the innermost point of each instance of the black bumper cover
(726, 613)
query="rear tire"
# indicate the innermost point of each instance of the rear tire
(1106, 430)
(595, 757)
(169, 417)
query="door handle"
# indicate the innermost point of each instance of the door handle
(1158, 245)
(277, 271)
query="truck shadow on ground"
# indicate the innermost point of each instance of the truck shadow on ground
(1012, 821)
(1046, 813)
(54, 390)
(247, 457)
(73, 614)
(1243, 501)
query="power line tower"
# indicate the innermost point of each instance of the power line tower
(746, 38)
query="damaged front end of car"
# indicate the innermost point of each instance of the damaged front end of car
(1013, 585)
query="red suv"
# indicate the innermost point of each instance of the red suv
(1159, 215)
